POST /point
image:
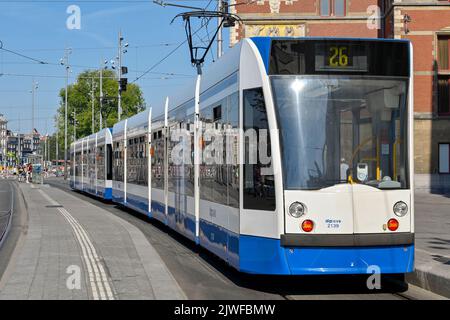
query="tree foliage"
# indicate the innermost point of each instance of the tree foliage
(80, 101)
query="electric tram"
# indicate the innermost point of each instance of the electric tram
(315, 172)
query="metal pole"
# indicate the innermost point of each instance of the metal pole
(93, 105)
(74, 125)
(66, 62)
(44, 154)
(32, 106)
(197, 150)
(56, 146)
(119, 72)
(219, 34)
(101, 96)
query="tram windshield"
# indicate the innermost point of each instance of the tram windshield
(342, 129)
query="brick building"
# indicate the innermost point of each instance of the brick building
(425, 22)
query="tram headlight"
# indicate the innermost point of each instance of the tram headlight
(400, 209)
(297, 209)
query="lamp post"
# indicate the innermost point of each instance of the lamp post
(93, 87)
(105, 62)
(116, 64)
(56, 146)
(74, 115)
(34, 87)
(65, 62)
(122, 49)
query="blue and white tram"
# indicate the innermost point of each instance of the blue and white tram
(92, 164)
(328, 189)
(130, 162)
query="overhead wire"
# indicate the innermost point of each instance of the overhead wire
(22, 55)
(172, 51)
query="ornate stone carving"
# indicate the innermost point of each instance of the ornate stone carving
(274, 5)
(274, 30)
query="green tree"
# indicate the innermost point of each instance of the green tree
(80, 101)
(13, 156)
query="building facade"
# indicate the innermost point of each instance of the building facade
(312, 18)
(3, 138)
(426, 23)
(19, 146)
(12, 147)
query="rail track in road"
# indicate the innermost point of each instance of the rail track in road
(6, 207)
(202, 275)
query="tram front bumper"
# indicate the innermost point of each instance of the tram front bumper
(268, 256)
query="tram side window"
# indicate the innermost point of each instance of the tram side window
(77, 164)
(213, 174)
(118, 161)
(232, 134)
(157, 158)
(85, 164)
(100, 155)
(259, 187)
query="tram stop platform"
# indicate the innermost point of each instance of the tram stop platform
(70, 249)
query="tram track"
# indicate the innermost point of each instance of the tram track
(7, 211)
(202, 275)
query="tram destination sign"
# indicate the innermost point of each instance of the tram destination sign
(340, 56)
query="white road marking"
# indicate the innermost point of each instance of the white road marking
(98, 279)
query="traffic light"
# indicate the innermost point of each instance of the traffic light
(123, 84)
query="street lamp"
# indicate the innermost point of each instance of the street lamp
(116, 64)
(65, 62)
(104, 66)
(34, 87)
(93, 87)
(74, 116)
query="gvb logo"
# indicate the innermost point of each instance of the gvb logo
(374, 18)
(73, 22)
(374, 280)
(73, 282)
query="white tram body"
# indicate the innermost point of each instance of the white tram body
(331, 190)
(91, 165)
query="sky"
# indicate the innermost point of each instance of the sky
(38, 30)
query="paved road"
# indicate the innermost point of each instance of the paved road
(201, 275)
(67, 249)
(18, 225)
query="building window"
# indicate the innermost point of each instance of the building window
(444, 94)
(339, 8)
(444, 157)
(444, 74)
(325, 9)
(333, 8)
(443, 52)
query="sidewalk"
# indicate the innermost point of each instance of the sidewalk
(71, 242)
(432, 255)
